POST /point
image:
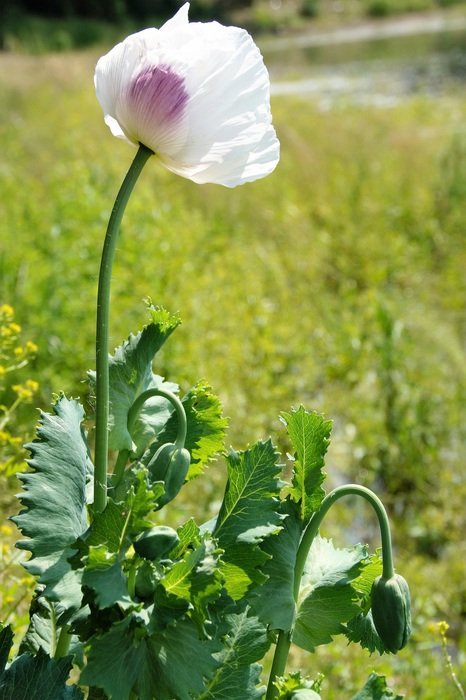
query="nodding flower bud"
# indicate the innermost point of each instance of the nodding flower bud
(170, 464)
(391, 611)
(160, 462)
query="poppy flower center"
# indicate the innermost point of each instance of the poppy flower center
(159, 94)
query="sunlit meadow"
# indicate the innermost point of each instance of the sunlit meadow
(338, 282)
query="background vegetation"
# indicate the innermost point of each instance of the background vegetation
(58, 25)
(338, 282)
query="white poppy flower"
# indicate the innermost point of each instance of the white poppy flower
(197, 94)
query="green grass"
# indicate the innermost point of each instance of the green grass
(338, 282)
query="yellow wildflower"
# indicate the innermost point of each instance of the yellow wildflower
(31, 347)
(7, 311)
(443, 626)
(23, 392)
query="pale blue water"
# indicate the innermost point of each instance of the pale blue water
(377, 70)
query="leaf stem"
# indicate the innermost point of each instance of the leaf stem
(102, 328)
(284, 637)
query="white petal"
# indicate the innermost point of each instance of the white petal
(115, 70)
(179, 20)
(197, 94)
(230, 138)
(140, 120)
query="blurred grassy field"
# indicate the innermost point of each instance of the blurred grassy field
(338, 282)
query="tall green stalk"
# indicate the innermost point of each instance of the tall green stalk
(102, 328)
(284, 638)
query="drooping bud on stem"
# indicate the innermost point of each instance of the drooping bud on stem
(391, 611)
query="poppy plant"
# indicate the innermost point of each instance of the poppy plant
(196, 94)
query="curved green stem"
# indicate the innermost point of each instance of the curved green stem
(174, 400)
(284, 638)
(316, 520)
(133, 413)
(102, 328)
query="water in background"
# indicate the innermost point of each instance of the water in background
(372, 65)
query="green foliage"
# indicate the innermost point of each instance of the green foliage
(206, 428)
(237, 675)
(376, 689)
(248, 512)
(309, 434)
(55, 499)
(191, 616)
(129, 657)
(327, 598)
(34, 677)
(294, 687)
(275, 604)
(130, 374)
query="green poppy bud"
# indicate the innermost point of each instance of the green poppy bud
(176, 474)
(160, 462)
(391, 611)
(170, 464)
(155, 543)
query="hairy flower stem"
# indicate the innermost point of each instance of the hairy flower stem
(102, 328)
(284, 637)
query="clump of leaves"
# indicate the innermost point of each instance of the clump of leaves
(187, 614)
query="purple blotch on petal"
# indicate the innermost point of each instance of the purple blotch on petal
(158, 93)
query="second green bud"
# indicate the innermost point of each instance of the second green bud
(170, 464)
